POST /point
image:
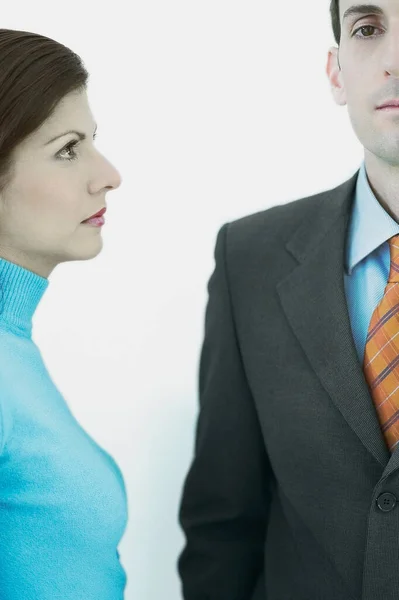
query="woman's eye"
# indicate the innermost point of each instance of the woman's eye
(70, 149)
(67, 150)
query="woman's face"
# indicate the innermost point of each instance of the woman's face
(42, 210)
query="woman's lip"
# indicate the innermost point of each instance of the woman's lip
(97, 221)
(99, 214)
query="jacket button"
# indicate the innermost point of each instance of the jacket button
(386, 502)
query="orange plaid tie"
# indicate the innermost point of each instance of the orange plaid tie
(381, 354)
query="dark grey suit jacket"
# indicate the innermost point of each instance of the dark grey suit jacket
(283, 497)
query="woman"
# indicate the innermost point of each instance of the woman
(63, 506)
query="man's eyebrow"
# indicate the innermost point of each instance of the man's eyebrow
(81, 136)
(363, 9)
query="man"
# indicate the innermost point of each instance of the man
(293, 493)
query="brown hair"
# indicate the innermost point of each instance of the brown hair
(36, 72)
(335, 22)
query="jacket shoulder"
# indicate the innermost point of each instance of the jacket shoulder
(265, 232)
(278, 221)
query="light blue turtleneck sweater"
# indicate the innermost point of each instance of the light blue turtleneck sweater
(63, 505)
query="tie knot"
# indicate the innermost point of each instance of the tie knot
(394, 266)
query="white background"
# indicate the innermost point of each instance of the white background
(210, 110)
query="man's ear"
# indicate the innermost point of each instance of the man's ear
(334, 74)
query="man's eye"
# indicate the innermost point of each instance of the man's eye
(364, 37)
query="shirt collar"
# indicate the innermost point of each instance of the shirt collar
(370, 224)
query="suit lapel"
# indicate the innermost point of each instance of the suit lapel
(313, 299)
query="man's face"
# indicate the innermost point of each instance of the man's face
(369, 75)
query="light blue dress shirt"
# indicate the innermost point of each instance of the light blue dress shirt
(367, 258)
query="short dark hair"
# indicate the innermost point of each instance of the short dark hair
(36, 73)
(335, 22)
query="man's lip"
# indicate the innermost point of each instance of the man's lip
(389, 105)
(98, 214)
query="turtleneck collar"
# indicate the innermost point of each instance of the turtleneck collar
(20, 293)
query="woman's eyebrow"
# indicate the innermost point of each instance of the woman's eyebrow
(82, 136)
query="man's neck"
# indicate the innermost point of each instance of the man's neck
(384, 181)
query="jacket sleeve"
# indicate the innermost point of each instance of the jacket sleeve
(224, 505)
